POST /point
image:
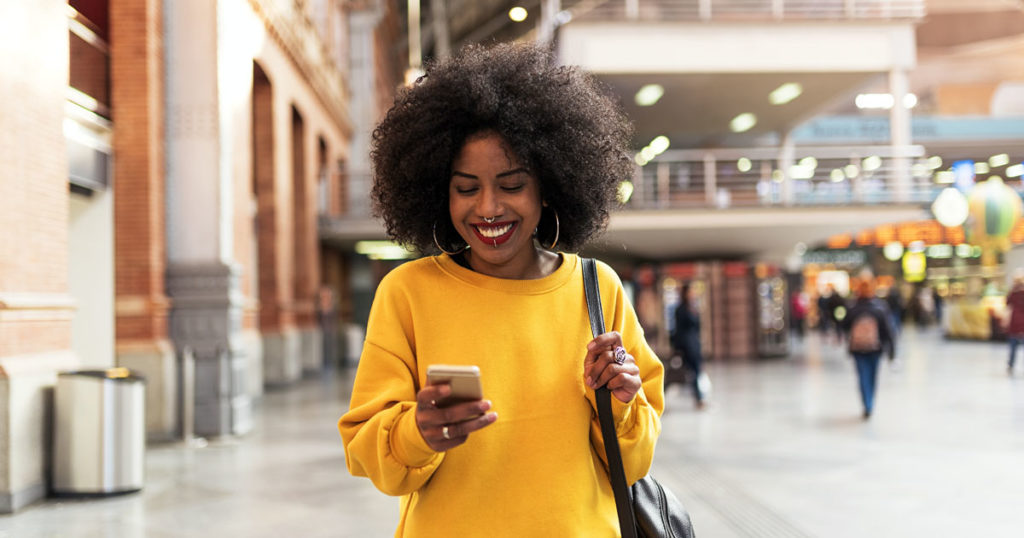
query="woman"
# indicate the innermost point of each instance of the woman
(686, 340)
(497, 158)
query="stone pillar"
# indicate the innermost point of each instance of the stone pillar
(35, 307)
(141, 308)
(900, 135)
(207, 317)
(202, 276)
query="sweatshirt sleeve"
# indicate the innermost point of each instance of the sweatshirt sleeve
(382, 441)
(637, 423)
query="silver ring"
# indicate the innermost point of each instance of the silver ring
(444, 433)
(490, 220)
(620, 355)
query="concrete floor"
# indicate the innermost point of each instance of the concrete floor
(781, 451)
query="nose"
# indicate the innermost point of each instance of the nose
(489, 204)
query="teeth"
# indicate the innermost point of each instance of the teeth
(494, 231)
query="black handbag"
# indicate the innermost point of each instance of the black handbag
(647, 510)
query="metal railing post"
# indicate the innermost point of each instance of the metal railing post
(664, 199)
(710, 179)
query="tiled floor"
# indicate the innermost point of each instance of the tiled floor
(780, 452)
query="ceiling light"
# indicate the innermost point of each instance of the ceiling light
(743, 164)
(659, 144)
(517, 14)
(785, 93)
(1016, 170)
(871, 163)
(934, 162)
(383, 250)
(950, 207)
(996, 161)
(837, 175)
(981, 168)
(649, 94)
(945, 177)
(743, 122)
(883, 101)
(625, 191)
(873, 100)
(851, 171)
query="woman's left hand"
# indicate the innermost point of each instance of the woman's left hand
(608, 363)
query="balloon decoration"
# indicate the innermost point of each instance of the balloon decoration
(994, 209)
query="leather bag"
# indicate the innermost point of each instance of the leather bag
(646, 510)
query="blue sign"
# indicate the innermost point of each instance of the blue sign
(963, 175)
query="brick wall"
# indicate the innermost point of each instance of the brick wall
(137, 83)
(33, 177)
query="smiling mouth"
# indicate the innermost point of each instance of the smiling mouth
(494, 234)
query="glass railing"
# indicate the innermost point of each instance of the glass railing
(737, 178)
(738, 10)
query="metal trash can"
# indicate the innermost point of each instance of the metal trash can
(100, 432)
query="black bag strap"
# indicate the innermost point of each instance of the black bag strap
(623, 501)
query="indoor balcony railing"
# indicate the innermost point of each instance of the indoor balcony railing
(739, 10)
(818, 176)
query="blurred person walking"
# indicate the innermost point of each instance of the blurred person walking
(868, 334)
(798, 312)
(828, 313)
(894, 300)
(1015, 325)
(686, 341)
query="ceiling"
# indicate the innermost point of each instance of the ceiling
(696, 109)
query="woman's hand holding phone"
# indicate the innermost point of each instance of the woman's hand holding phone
(446, 418)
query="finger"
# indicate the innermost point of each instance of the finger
(462, 430)
(441, 416)
(463, 411)
(606, 340)
(428, 396)
(613, 369)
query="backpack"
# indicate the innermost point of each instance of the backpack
(864, 335)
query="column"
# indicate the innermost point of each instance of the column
(203, 279)
(786, 157)
(900, 135)
(141, 308)
(35, 307)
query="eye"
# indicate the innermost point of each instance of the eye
(466, 190)
(513, 188)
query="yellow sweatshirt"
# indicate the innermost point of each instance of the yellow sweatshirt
(539, 470)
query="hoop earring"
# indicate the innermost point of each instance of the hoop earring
(557, 230)
(438, 244)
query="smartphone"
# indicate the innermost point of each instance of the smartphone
(463, 380)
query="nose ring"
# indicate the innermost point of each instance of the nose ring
(490, 220)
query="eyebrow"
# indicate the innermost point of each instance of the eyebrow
(514, 171)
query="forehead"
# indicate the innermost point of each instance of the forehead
(486, 149)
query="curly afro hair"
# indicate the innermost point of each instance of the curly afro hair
(557, 120)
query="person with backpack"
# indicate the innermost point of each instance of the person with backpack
(868, 334)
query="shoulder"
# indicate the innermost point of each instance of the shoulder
(605, 273)
(409, 275)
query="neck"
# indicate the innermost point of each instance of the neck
(540, 264)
